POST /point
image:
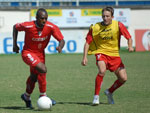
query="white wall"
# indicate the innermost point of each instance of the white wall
(140, 19)
(12, 17)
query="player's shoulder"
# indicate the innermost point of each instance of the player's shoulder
(115, 21)
(50, 24)
(96, 26)
(27, 24)
(121, 25)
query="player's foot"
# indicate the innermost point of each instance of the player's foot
(27, 102)
(109, 96)
(53, 102)
(96, 100)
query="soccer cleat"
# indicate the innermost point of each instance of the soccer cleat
(96, 100)
(109, 96)
(27, 102)
(53, 102)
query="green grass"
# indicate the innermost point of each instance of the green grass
(72, 85)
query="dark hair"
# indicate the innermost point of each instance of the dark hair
(110, 9)
(40, 10)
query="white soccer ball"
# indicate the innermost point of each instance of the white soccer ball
(44, 103)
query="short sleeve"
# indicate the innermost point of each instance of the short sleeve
(124, 31)
(57, 33)
(20, 26)
(89, 36)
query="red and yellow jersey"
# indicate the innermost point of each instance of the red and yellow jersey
(37, 38)
(106, 39)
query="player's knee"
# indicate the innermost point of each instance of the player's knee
(43, 69)
(123, 80)
(102, 72)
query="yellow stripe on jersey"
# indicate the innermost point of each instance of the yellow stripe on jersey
(105, 39)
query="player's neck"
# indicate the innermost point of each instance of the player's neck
(103, 23)
(38, 25)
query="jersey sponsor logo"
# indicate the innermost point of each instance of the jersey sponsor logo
(39, 39)
(107, 38)
(106, 30)
(106, 34)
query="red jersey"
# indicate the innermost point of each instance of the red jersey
(36, 39)
(122, 31)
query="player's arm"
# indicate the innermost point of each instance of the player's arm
(126, 34)
(86, 47)
(59, 37)
(15, 35)
(130, 48)
(60, 46)
(85, 52)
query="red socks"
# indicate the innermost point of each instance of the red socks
(99, 81)
(98, 84)
(42, 82)
(30, 85)
(115, 86)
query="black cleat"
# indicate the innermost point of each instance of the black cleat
(27, 102)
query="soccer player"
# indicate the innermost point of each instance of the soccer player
(103, 40)
(37, 37)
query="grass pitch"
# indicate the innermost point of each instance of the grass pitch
(72, 85)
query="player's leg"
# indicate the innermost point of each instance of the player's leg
(41, 68)
(32, 79)
(32, 60)
(42, 83)
(118, 67)
(30, 85)
(122, 78)
(99, 78)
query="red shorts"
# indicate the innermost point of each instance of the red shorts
(112, 63)
(31, 58)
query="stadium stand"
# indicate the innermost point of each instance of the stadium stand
(72, 3)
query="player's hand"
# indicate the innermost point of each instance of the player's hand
(59, 49)
(16, 49)
(84, 62)
(130, 49)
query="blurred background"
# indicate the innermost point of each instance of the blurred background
(74, 17)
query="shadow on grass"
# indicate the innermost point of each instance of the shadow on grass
(80, 103)
(24, 108)
(15, 108)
